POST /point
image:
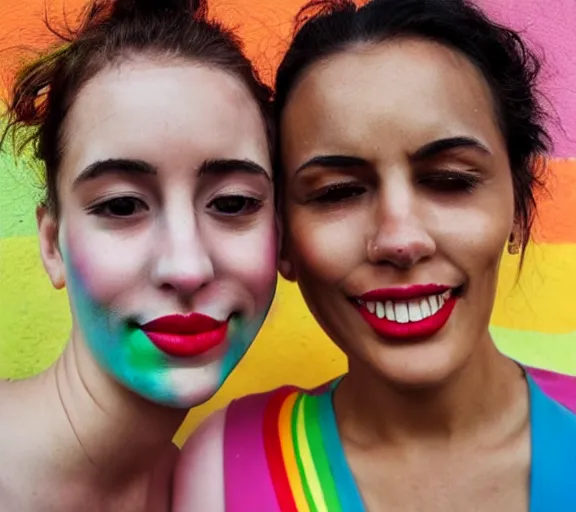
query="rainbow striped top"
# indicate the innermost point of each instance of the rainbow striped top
(283, 453)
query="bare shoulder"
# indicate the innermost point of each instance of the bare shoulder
(199, 477)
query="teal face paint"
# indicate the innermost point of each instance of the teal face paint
(241, 335)
(119, 346)
(124, 351)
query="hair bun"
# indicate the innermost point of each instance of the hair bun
(135, 8)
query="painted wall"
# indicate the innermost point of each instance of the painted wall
(534, 319)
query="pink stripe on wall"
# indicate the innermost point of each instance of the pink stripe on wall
(550, 27)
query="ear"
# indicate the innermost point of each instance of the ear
(285, 266)
(286, 270)
(49, 247)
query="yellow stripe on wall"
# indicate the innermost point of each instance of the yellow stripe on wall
(534, 321)
(543, 297)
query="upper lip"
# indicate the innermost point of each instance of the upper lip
(193, 323)
(405, 292)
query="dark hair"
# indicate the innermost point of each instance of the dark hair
(327, 27)
(45, 90)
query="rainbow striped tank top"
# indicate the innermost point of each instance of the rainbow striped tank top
(282, 453)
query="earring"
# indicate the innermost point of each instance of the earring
(513, 245)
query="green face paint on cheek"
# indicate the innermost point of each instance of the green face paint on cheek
(126, 353)
(119, 346)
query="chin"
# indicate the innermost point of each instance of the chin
(191, 387)
(419, 366)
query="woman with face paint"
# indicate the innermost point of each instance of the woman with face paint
(159, 220)
(412, 144)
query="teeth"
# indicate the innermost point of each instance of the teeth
(433, 299)
(414, 312)
(401, 311)
(407, 311)
(390, 311)
(425, 308)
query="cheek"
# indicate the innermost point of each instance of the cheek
(250, 257)
(106, 266)
(475, 237)
(327, 247)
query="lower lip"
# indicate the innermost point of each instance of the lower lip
(188, 345)
(410, 330)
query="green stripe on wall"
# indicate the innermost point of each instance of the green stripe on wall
(19, 194)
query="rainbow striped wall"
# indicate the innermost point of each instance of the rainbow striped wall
(534, 319)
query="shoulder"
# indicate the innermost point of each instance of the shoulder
(558, 386)
(225, 445)
(199, 477)
(224, 465)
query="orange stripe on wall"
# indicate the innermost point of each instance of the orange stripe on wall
(556, 222)
(264, 27)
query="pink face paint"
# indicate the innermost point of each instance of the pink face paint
(170, 261)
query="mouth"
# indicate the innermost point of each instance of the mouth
(186, 335)
(408, 312)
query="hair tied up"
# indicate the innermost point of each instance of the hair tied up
(133, 8)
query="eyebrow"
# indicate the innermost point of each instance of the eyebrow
(135, 167)
(113, 166)
(440, 146)
(332, 161)
(426, 152)
(227, 166)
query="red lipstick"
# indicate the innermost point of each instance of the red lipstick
(186, 335)
(408, 312)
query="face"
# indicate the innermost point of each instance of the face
(398, 204)
(167, 234)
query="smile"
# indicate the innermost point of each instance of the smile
(408, 312)
(186, 335)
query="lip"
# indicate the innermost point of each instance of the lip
(422, 329)
(186, 335)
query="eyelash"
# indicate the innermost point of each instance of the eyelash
(441, 181)
(103, 209)
(249, 204)
(451, 181)
(338, 192)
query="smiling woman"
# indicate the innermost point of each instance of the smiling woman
(159, 219)
(412, 146)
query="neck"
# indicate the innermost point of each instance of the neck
(486, 395)
(76, 424)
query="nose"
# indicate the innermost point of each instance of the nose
(183, 263)
(399, 236)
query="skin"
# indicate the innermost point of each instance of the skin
(187, 235)
(437, 424)
(400, 218)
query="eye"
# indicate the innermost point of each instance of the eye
(119, 207)
(450, 181)
(338, 192)
(232, 205)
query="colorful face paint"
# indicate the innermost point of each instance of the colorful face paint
(126, 353)
(119, 346)
(149, 245)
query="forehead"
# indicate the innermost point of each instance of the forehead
(157, 109)
(401, 90)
